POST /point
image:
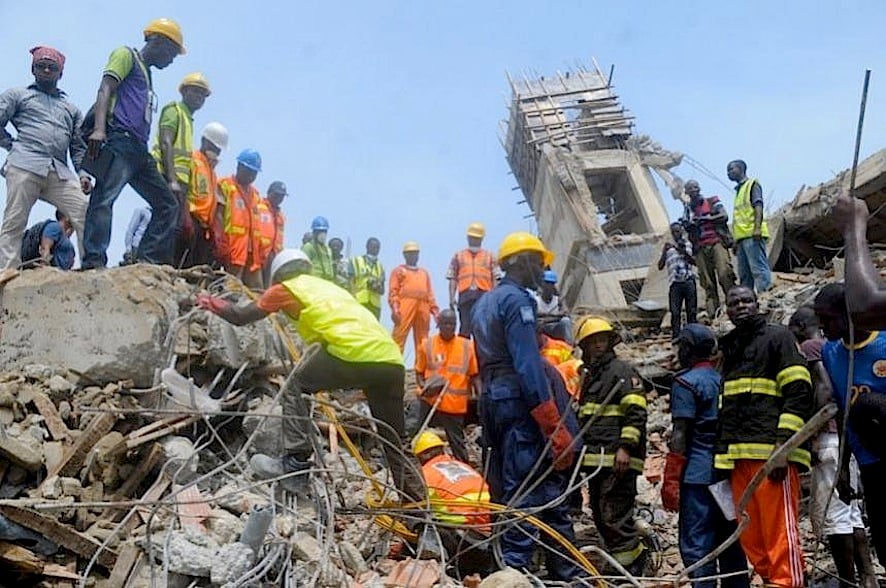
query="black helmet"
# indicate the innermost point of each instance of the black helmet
(696, 342)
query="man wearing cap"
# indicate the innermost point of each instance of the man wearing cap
(470, 274)
(118, 154)
(173, 149)
(242, 212)
(276, 194)
(411, 298)
(355, 351)
(202, 198)
(48, 129)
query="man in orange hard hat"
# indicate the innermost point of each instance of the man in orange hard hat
(453, 360)
(471, 274)
(117, 149)
(411, 298)
(173, 150)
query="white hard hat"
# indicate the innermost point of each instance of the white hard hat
(216, 134)
(287, 256)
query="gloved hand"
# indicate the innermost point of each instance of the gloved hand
(675, 463)
(213, 304)
(548, 418)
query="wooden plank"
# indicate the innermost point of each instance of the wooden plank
(57, 428)
(138, 475)
(153, 494)
(127, 559)
(76, 455)
(20, 558)
(81, 544)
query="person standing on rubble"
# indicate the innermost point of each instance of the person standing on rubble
(243, 245)
(865, 397)
(840, 521)
(767, 397)
(48, 129)
(355, 352)
(453, 361)
(712, 240)
(368, 277)
(681, 278)
(749, 229)
(202, 196)
(173, 150)
(318, 251)
(612, 395)
(117, 151)
(552, 312)
(276, 194)
(524, 407)
(470, 275)
(411, 298)
(689, 468)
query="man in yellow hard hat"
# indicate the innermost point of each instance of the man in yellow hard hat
(355, 352)
(117, 149)
(470, 274)
(612, 395)
(529, 430)
(411, 298)
(173, 149)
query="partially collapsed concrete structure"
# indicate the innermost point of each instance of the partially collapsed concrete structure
(588, 181)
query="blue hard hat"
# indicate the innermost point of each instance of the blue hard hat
(698, 340)
(320, 224)
(550, 277)
(251, 159)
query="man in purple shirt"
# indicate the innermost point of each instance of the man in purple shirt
(117, 147)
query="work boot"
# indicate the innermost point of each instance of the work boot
(266, 467)
(637, 568)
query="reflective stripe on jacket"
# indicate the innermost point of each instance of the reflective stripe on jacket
(474, 270)
(202, 199)
(743, 221)
(242, 224)
(182, 146)
(364, 273)
(452, 360)
(452, 480)
(332, 317)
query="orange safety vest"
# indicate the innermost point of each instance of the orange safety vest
(559, 354)
(449, 479)
(279, 223)
(456, 362)
(202, 200)
(474, 270)
(243, 224)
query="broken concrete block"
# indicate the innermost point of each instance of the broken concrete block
(352, 558)
(224, 526)
(51, 489)
(186, 557)
(307, 548)
(22, 452)
(71, 486)
(182, 458)
(506, 578)
(231, 563)
(59, 385)
(269, 438)
(116, 338)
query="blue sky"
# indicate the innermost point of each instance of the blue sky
(384, 116)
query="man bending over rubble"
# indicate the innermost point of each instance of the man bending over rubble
(356, 352)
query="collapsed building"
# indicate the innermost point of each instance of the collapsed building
(588, 181)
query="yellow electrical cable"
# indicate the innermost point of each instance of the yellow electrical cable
(386, 521)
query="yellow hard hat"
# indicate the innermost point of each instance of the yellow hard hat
(169, 29)
(196, 79)
(591, 326)
(476, 230)
(427, 440)
(523, 242)
(410, 246)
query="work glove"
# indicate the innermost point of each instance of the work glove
(675, 463)
(563, 449)
(213, 304)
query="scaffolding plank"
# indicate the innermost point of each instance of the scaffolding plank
(76, 455)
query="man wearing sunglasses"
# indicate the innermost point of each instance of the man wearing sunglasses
(47, 129)
(117, 151)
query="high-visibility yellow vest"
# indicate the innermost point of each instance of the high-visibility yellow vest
(321, 260)
(332, 317)
(743, 216)
(182, 146)
(363, 272)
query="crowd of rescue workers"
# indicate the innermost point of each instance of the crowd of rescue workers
(563, 418)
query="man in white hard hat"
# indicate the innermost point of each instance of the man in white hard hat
(202, 198)
(356, 352)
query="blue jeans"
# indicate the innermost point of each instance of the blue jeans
(702, 528)
(131, 164)
(753, 264)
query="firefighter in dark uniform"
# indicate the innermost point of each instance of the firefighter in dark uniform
(615, 442)
(520, 411)
(767, 397)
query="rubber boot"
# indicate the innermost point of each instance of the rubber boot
(842, 547)
(267, 467)
(863, 562)
(637, 568)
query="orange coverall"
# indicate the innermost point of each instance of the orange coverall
(412, 302)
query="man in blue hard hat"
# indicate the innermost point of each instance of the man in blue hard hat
(117, 151)
(318, 251)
